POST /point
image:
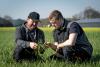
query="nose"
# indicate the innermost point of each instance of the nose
(34, 23)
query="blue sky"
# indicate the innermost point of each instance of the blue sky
(21, 8)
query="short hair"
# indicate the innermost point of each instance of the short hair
(55, 14)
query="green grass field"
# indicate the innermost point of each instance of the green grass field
(7, 47)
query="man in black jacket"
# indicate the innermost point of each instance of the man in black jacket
(28, 36)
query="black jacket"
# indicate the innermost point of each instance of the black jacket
(24, 36)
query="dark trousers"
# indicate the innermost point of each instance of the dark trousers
(23, 54)
(72, 54)
(78, 54)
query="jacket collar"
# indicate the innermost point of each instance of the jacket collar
(64, 24)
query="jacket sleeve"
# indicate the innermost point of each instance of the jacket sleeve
(19, 40)
(41, 37)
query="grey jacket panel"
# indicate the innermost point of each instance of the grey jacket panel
(19, 40)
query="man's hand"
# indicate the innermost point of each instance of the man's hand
(33, 45)
(48, 44)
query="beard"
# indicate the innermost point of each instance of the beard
(32, 27)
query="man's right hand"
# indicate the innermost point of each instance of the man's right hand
(33, 45)
(48, 44)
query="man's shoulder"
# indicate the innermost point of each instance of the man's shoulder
(73, 24)
(20, 27)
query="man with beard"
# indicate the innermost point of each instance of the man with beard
(27, 38)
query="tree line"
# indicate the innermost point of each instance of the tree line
(88, 13)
